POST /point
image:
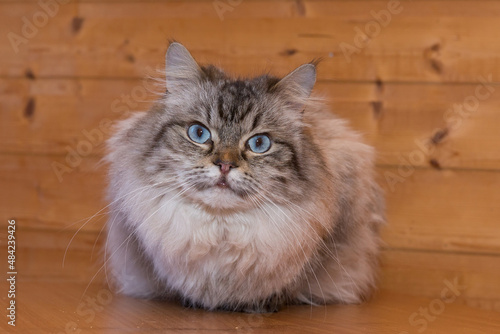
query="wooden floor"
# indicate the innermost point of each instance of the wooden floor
(67, 307)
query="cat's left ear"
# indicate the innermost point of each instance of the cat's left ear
(300, 82)
(180, 67)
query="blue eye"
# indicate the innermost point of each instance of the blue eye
(259, 143)
(198, 133)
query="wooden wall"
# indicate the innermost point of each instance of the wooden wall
(424, 91)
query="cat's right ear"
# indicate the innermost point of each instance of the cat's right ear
(180, 67)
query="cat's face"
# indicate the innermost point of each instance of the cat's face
(229, 143)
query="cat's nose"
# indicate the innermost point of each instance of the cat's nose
(225, 166)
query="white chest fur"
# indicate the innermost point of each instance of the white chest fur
(210, 257)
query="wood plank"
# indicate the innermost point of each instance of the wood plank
(431, 42)
(47, 116)
(428, 210)
(443, 210)
(33, 195)
(55, 307)
(416, 273)
(58, 116)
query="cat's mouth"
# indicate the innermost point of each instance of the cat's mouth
(223, 183)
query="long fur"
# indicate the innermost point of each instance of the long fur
(299, 223)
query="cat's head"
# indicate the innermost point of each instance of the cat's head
(229, 143)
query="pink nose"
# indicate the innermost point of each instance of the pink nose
(225, 166)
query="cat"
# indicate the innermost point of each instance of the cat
(241, 195)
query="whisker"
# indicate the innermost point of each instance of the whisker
(128, 238)
(88, 220)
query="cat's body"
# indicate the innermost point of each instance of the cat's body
(223, 224)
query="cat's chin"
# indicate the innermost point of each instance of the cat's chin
(221, 197)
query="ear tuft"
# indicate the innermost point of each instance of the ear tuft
(180, 67)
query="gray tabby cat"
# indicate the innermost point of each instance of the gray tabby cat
(241, 195)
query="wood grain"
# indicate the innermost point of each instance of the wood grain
(33, 195)
(57, 116)
(428, 273)
(426, 42)
(443, 210)
(60, 307)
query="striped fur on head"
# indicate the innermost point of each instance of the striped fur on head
(233, 110)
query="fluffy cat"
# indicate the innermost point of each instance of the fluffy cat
(241, 194)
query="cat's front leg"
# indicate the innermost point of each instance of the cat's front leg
(347, 272)
(127, 270)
